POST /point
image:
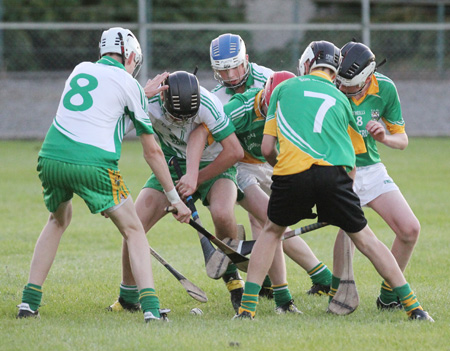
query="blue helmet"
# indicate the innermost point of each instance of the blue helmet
(226, 52)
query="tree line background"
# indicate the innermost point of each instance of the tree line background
(50, 50)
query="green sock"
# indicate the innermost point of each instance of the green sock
(149, 301)
(231, 269)
(231, 274)
(281, 294)
(267, 283)
(320, 274)
(129, 293)
(407, 298)
(250, 298)
(32, 295)
(387, 294)
(334, 286)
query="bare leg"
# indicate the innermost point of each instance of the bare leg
(150, 206)
(222, 198)
(48, 242)
(263, 253)
(338, 253)
(380, 256)
(394, 209)
(255, 224)
(127, 221)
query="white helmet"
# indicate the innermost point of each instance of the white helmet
(226, 52)
(121, 41)
(320, 54)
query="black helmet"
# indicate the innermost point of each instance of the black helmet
(182, 99)
(319, 54)
(358, 63)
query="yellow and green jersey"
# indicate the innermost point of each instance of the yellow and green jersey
(380, 102)
(314, 124)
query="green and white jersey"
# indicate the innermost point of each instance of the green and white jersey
(98, 101)
(256, 79)
(380, 102)
(173, 137)
(249, 123)
(314, 125)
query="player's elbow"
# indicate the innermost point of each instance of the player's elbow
(267, 150)
(403, 144)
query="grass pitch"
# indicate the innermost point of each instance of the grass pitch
(86, 274)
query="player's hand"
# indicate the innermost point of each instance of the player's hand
(376, 130)
(187, 185)
(154, 86)
(181, 212)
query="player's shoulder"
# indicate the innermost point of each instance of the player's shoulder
(208, 97)
(244, 101)
(218, 89)
(260, 73)
(210, 103)
(155, 100)
(384, 82)
(248, 94)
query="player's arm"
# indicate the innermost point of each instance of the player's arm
(231, 153)
(154, 156)
(395, 140)
(269, 149)
(187, 184)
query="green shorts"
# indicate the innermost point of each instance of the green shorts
(99, 187)
(204, 188)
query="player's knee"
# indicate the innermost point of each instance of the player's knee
(410, 233)
(61, 222)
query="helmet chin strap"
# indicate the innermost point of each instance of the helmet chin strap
(366, 84)
(358, 92)
(241, 83)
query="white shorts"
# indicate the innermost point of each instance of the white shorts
(254, 173)
(372, 181)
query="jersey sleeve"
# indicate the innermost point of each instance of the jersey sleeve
(136, 109)
(211, 113)
(392, 116)
(237, 112)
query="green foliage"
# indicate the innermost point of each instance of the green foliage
(86, 274)
(62, 50)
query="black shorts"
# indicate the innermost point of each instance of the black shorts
(328, 187)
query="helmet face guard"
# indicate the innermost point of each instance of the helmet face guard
(319, 54)
(121, 41)
(227, 52)
(182, 99)
(358, 64)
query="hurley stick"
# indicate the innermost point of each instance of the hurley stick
(346, 299)
(216, 262)
(194, 291)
